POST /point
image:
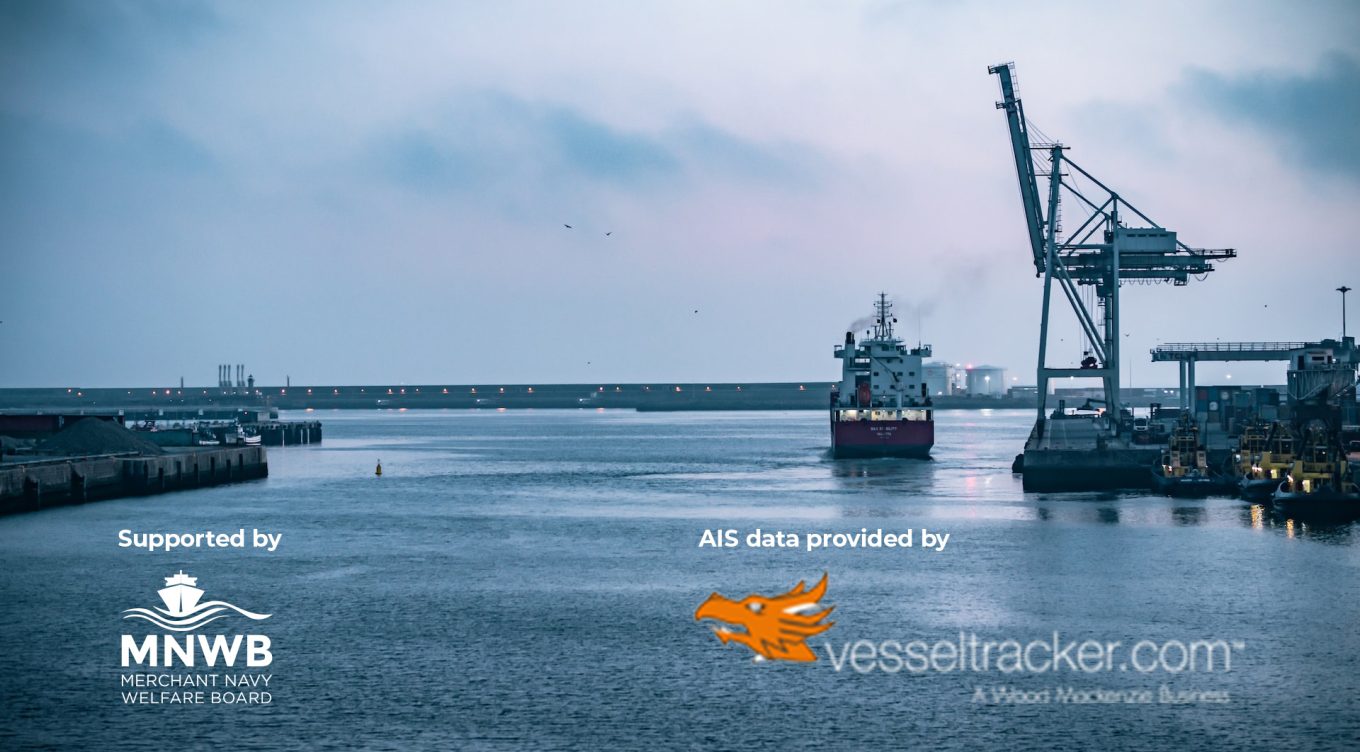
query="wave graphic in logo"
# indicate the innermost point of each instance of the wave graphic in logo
(183, 612)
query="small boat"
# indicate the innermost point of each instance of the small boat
(240, 437)
(1260, 472)
(1183, 469)
(1319, 483)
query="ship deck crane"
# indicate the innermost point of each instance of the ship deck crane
(1102, 252)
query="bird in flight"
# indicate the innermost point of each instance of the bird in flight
(607, 234)
(567, 226)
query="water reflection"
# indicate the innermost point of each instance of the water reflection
(968, 479)
(879, 467)
(1189, 515)
(1263, 517)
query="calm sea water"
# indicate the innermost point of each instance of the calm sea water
(528, 580)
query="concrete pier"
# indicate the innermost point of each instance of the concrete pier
(37, 484)
(1073, 454)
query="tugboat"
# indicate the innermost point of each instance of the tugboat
(1183, 469)
(881, 407)
(1261, 473)
(1319, 483)
(179, 594)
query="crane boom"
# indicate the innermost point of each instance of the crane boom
(1024, 162)
(1104, 251)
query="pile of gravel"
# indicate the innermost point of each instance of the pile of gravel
(95, 436)
(11, 445)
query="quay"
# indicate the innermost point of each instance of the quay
(174, 426)
(48, 460)
(1108, 244)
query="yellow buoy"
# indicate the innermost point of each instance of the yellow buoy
(379, 470)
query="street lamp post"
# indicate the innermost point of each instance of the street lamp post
(1343, 290)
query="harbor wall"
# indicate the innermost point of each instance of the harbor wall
(32, 485)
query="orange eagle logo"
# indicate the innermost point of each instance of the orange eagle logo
(775, 628)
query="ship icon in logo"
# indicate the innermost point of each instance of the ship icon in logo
(179, 594)
(183, 612)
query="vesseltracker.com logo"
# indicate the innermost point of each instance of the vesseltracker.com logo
(776, 628)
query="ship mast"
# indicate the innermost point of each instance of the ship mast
(883, 328)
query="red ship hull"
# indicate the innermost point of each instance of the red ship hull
(882, 438)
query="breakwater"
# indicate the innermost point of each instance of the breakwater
(177, 403)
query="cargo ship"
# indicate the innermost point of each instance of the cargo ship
(881, 407)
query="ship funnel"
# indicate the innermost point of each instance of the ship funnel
(849, 338)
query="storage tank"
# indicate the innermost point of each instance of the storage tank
(940, 379)
(986, 381)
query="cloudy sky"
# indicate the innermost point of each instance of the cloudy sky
(361, 192)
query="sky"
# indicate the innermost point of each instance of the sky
(376, 193)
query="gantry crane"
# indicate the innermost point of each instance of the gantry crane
(1120, 252)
